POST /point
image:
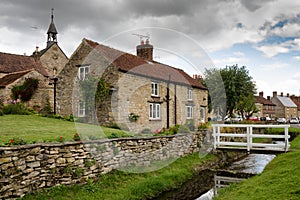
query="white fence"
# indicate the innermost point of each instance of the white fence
(244, 140)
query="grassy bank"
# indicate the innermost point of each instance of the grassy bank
(280, 179)
(122, 185)
(32, 128)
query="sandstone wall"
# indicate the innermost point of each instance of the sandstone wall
(28, 168)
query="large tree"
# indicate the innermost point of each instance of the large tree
(238, 86)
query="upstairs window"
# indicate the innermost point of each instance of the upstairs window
(190, 94)
(83, 72)
(154, 89)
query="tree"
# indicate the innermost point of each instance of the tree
(238, 87)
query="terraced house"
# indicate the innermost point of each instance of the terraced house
(131, 90)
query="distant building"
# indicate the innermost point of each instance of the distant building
(285, 107)
(296, 100)
(41, 65)
(265, 106)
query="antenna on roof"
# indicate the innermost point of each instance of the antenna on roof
(147, 36)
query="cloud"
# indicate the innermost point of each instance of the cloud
(274, 66)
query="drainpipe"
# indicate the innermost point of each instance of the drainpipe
(168, 102)
(175, 104)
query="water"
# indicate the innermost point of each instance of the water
(252, 164)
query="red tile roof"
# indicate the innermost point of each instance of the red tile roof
(264, 101)
(10, 78)
(133, 64)
(10, 63)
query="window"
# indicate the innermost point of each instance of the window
(189, 112)
(82, 72)
(154, 111)
(154, 89)
(190, 94)
(202, 114)
(81, 109)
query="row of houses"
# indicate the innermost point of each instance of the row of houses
(136, 91)
(277, 106)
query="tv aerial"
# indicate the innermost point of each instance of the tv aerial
(142, 37)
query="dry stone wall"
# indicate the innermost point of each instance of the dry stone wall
(28, 168)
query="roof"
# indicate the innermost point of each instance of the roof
(10, 78)
(286, 101)
(10, 63)
(264, 101)
(133, 64)
(52, 28)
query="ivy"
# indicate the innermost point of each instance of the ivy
(94, 90)
(25, 91)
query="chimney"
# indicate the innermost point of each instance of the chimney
(36, 53)
(269, 98)
(261, 94)
(274, 94)
(145, 51)
(288, 95)
(281, 94)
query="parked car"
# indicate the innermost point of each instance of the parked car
(256, 119)
(294, 120)
(281, 120)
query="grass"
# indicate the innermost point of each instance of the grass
(280, 179)
(123, 186)
(33, 128)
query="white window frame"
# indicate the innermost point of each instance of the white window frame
(190, 94)
(202, 114)
(81, 109)
(189, 112)
(154, 89)
(82, 72)
(154, 111)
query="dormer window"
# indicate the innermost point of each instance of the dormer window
(154, 89)
(82, 72)
(190, 94)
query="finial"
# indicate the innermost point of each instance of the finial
(52, 10)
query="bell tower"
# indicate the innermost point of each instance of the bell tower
(52, 32)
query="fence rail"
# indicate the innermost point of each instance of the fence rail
(246, 137)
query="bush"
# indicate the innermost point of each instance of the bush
(16, 107)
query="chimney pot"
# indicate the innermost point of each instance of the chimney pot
(281, 94)
(288, 95)
(274, 94)
(269, 98)
(261, 93)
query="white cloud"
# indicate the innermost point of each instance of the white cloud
(273, 66)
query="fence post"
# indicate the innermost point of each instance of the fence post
(215, 139)
(286, 138)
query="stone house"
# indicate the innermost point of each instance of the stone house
(140, 93)
(42, 65)
(296, 100)
(265, 106)
(285, 107)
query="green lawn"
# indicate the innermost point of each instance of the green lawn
(280, 179)
(33, 128)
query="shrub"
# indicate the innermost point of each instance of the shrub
(25, 91)
(16, 107)
(76, 137)
(16, 141)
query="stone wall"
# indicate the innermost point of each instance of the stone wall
(28, 168)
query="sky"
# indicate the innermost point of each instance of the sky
(193, 35)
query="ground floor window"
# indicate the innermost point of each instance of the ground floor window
(189, 112)
(81, 109)
(202, 114)
(154, 111)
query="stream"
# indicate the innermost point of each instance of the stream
(206, 184)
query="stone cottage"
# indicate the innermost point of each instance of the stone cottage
(285, 107)
(42, 65)
(265, 106)
(133, 91)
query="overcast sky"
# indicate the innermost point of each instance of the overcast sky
(263, 35)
